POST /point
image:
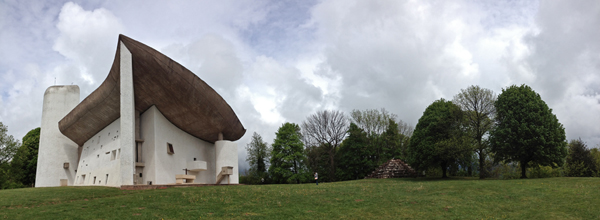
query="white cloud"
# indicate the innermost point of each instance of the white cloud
(89, 40)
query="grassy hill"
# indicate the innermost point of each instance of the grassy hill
(552, 198)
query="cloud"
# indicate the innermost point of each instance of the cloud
(565, 57)
(88, 39)
(277, 61)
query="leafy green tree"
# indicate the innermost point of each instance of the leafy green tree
(318, 161)
(526, 131)
(8, 148)
(580, 161)
(258, 158)
(24, 163)
(596, 155)
(478, 105)
(439, 138)
(287, 156)
(354, 156)
(387, 138)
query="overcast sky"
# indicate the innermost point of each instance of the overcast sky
(280, 61)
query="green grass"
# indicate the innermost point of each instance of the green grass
(552, 198)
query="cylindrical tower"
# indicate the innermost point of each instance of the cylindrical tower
(226, 155)
(57, 154)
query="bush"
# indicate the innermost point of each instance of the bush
(544, 172)
(433, 172)
(580, 160)
(505, 171)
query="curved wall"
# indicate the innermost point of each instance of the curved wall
(226, 154)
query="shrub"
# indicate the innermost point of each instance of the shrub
(544, 172)
(505, 171)
(580, 161)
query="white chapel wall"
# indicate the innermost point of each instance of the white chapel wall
(160, 166)
(100, 158)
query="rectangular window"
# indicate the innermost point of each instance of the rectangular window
(94, 180)
(82, 179)
(170, 148)
(106, 181)
(119, 153)
(113, 155)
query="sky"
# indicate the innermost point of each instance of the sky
(280, 61)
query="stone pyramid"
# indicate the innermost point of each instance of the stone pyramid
(394, 168)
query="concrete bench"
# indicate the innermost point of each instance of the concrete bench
(225, 172)
(182, 178)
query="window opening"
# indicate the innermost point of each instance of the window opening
(106, 181)
(94, 180)
(170, 148)
(113, 155)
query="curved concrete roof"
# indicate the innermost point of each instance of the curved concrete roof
(183, 98)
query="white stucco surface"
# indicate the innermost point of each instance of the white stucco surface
(226, 155)
(161, 167)
(100, 158)
(127, 119)
(56, 149)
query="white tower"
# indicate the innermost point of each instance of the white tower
(57, 154)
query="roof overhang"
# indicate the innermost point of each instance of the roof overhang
(182, 97)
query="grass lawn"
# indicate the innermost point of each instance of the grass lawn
(552, 198)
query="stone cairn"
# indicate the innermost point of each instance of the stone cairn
(394, 168)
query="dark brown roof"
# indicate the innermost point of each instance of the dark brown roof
(183, 98)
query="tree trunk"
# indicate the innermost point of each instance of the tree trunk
(470, 170)
(482, 173)
(523, 170)
(444, 170)
(332, 167)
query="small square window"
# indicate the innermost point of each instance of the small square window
(170, 148)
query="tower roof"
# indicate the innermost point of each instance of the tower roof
(183, 98)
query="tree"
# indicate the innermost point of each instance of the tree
(328, 129)
(287, 156)
(24, 163)
(478, 105)
(439, 138)
(596, 155)
(526, 130)
(258, 157)
(8, 148)
(405, 131)
(317, 160)
(391, 142)
(354, 156)
(580, 161)
(382, 138)
(372, 121)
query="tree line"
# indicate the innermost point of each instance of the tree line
(18, 161)
(475, 134)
